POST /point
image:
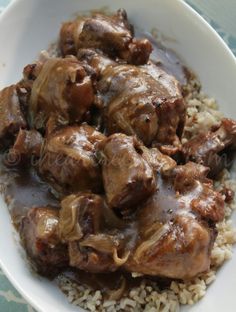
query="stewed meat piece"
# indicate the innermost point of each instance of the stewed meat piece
(211, 148)
(157, 160)
(28, 142)
(171, 234)
(81, 222)
(96, 59)
(94, 254)
(11, 115)
(170, 108)
(40, 235)
(191, 181)
(111, 34)
(68, 159)
(62, 88)
(178, 249)
(128, 178)
(175, 225)
(137, 102)
(144, 101)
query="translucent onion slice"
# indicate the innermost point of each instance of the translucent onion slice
(103, 243)
(148, 244)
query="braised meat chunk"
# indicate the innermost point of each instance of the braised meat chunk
(96, 59)
(191, 181)
(68, 159)
(142, 101)
(170, 108)
(11, 115)
(90, 255)
(175, 225)
(111, 34)
(157, 160)
(63, 88)
(81, 224)
(27, 147)
(128, 178)
(40, 235)
(27, 143)
(212, 148)
(177, 249)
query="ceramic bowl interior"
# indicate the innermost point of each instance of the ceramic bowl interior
(29, 26)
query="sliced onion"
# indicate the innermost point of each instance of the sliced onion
(69, 227)
(120, 261)
(101, 242)
(49, 87)
(147, 244)
(78, 27)
(117, 293)
(39, 83)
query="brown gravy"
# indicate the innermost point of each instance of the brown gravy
(24, 189)
(166, 59)
(27, 189)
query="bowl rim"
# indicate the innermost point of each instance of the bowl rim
(206, 24)
(192, 12)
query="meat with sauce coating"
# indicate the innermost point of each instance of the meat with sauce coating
(27, 147)
(40, 236)
(127, 177)
(12, 118)
(81, 225)
(177, 249)
(62, 88)
(28, 143)
(212, 148)
(111, 34)
(139, 100)
(136, 103)
(175, 225)
(68, 159)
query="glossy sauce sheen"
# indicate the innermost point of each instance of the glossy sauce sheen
(23, 188)
(165, 58)
(28, 190)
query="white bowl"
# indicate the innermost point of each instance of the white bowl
(28, 26)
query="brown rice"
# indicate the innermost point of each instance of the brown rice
(202, 114)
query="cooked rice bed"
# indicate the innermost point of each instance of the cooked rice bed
(202, 114)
